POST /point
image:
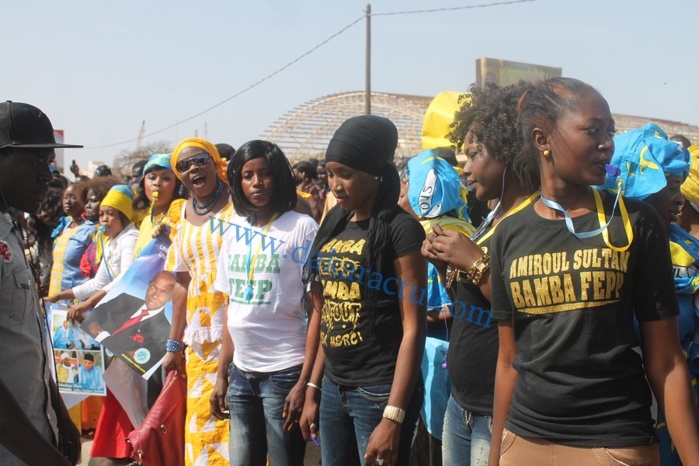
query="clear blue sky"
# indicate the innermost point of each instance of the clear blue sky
(98, 69)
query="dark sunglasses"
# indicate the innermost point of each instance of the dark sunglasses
(199, 160)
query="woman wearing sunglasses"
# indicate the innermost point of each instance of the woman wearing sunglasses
(197, 319)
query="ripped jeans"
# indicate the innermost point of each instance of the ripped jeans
(466, 436)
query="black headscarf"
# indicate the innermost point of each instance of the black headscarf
(366, 143)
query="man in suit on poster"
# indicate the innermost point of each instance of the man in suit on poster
(133, 329)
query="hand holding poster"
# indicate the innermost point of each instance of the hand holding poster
(133, 320)
(78, 358)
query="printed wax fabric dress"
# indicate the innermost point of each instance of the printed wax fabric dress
(195, 250)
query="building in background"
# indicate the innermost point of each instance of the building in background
(91, 167)
(58, 136)
(306, 130)
(505, 72)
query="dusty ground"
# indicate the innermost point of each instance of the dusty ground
(312, 456)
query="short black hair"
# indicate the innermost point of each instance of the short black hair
(226, 151)
(57, 182)
(682, 139)
(284, 196)
(139, 166)
(446, 153)
(103, 170)
(307, 169)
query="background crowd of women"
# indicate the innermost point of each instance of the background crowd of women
(544, 330)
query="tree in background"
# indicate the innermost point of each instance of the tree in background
(126, 158)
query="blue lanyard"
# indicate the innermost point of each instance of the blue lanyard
(569, 220)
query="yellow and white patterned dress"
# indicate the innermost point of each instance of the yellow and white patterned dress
(195, 250)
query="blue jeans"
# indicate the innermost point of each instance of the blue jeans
(349, 413)
(466, 437)
(256, 402)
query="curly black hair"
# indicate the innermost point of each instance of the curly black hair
(489, 115)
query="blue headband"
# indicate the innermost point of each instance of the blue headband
(158, 160)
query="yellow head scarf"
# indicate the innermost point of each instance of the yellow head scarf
(690, 187)
(120, 197)
(207, 147)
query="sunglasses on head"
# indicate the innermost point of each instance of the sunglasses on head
(199, 160)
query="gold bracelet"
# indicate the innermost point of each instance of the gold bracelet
(478, 269)
(451, 275)
(394, 413)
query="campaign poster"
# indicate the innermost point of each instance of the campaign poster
(132, 322)
(78, 360)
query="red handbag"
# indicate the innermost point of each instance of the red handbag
(160, 439)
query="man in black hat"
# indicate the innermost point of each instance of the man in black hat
(34, 426)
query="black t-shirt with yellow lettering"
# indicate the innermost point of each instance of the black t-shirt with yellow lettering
(572, 303)
(473, 348)
(362, 349)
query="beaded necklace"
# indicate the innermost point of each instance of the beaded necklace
(204, 209)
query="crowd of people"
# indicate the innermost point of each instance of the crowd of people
(373, 309)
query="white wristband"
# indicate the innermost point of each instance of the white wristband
(317, 387)
(394, 413)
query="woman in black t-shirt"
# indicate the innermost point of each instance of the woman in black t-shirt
(486, 128)
(368, 281)
(569, 274)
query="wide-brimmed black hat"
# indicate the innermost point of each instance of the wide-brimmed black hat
(24, 125)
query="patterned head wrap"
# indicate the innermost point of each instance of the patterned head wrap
(158, 161)
(434, 187)
(120, 197)
(690, 187)
(207, 147)
(644, 156)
